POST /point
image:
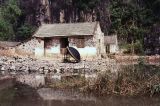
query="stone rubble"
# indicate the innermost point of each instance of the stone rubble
(27, 65)
(32, 71)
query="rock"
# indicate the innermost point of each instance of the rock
(55, 71)
(13, 68)
(3, 68)
(27, 65)
(46, 71)
(58, 71)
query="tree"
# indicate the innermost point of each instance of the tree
(132, 19)
(24, 32)
(5, 29)
(9, 13)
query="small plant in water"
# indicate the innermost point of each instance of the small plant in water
(130, 80)
(155, 89)
(141, 61)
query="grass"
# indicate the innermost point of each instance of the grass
(131, 80)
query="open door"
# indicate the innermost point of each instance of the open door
(107, 49)
(64, 43)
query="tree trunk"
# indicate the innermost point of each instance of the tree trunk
(54, 11)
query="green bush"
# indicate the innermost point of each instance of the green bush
(138, 47)
(25, 31)
(9, 13)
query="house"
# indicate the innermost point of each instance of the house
(51, 40)
(111, 44)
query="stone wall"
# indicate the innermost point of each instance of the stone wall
(99, 38)
(7, 52)
(89, 41)
(31, 47)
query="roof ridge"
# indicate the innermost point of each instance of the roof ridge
(66, 29)
(70, 23)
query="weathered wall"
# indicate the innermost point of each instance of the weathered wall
(99, 39)
(53, 48)
(89, 51)
(113, 48)
(7, 51)
(31, 47)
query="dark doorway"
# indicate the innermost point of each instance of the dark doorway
(47, 45)
(64, 43)
(107, 49)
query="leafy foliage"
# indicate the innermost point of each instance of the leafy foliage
(9, 13)
(5, 29)
(25, 32)
(10, 26)
(86, 4)
(133, 19)
(130, 19)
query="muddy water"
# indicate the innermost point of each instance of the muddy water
(26, 96)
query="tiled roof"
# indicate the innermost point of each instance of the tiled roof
(8, 44)
(110, 39)
(69, 29)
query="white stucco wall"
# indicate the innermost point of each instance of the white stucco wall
(113, 48)
(87, 52)
(39, 52)
(53, 50)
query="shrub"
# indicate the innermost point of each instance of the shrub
(25, 31)
(131, 80)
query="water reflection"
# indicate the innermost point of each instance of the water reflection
(50, 97)
(23, 95)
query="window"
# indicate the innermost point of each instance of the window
(47, 43)
(80, 42)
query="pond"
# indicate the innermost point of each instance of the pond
(50, 97)
(24, 95)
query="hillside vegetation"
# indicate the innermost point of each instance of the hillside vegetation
(129, 19)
